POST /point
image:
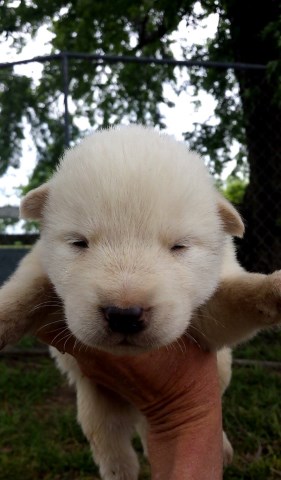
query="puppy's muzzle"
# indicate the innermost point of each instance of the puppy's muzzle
(125, 320)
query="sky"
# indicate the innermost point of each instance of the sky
(183, 114)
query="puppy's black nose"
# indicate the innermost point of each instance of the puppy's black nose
(124, 320)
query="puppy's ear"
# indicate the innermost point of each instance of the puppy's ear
(231, 220)
(33, 203)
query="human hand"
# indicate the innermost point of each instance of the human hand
(176, 388)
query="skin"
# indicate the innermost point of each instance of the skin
(178, 392)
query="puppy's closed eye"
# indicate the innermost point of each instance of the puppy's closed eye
(177, 248)
(80, 243)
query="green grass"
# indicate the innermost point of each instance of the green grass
(252, 419)
(265, 346)
(40, 438)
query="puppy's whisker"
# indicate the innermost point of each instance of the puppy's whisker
(68, 335)
(197, 330)
(82, 347)
(48, 325)
(67, 338)
(170, 347)
(45, 304)
(60, 333)
(188, 335)
(75, 344)
(208, 317)
(182, 345)
(53, 331)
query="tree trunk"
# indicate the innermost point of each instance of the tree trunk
(261, 248)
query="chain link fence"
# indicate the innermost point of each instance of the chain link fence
(252, 116)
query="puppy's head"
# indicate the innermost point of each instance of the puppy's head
(133, 232)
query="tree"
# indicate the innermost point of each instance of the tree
(250, 34)
(248, 101)
(234, 190)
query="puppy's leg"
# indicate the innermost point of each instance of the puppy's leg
(227, 450)
(141, 428)
(242, 305)
(26, 298)
(108, 423)
(224, 359)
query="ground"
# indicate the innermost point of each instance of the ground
(40, 439)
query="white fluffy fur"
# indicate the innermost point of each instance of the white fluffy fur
(133, 194)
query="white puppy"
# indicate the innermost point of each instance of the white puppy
(132, 235)
(135, 239)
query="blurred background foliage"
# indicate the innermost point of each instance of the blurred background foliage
(246, 125)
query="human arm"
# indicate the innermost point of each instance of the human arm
(177, 391)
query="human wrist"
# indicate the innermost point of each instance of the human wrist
(185, 432)
(191, 452)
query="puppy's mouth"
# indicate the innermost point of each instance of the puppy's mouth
(123, 344)
(126, 344)
(126, 347)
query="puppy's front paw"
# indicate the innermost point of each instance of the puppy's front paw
(269, 300)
